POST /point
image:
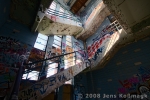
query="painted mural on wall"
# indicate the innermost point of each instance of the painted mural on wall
(79, 46)
(137, 84)
(98, 42)
(79, 87)
(43, 88)
(7, 77)
(12, 52)
(36, 55)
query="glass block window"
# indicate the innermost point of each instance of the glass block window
(68, 15)
(61, 12)
(52, 69)
(53, 5)
(33, 75)
(41, 42)
(68, 40)
(52, 8)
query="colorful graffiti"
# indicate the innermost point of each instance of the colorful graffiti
(79, 88)
(138, 84)
(46, 86)
(98, 41)
(53, 18)
(12, 52)
(36, 55)
(78, 46)
(7, 78)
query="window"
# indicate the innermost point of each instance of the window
(53, 5)
(61, 12)
(33, 75)
(58, 38)
(68, 41)
(57, 41)
(52, 69)
(52, 8)
(41, 42)
(69, 59)
(68, 15)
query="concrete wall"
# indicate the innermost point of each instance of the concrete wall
(16, 41)
(127, 72)
(80, 86)
(4, 9)
(100, 42)
(46, 86)
(88, 9)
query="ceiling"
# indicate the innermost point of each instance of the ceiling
(78, 5)
(24, 11)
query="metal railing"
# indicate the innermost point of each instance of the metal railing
(63, 15)
(42, 71)
(59, 60)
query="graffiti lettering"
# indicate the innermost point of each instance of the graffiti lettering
(8, 39)
(7, 77)
(53, 18)
(132, 83)
(29, 93)
(42, 88)
(49, 84)
(52, 81)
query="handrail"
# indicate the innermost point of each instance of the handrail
(51, 58)
(57, 13)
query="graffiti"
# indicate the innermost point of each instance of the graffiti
(36, 55)
(80, 54)
(7, 77)
(12, 52)
(61, 78)
(98, 41)
(128, 83)
(49, 84)
(28, 94)
(97, 53)
(53, 18)
(8, 39)
(64, 44)
(42, 87)
(138, 84)
(78, 88)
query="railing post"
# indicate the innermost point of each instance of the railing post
(15, 91)
(75, 58)
(59, 64)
